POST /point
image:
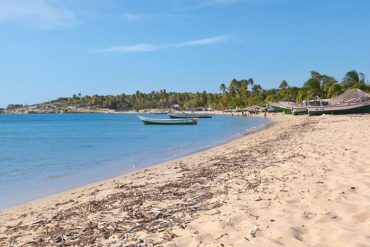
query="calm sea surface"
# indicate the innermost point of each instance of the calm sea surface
(44, 154)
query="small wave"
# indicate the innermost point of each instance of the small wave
(239, 134)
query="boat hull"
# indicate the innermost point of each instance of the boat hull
(287, 110)
(276, 109)
(299, 111)
(343, 109)
(154, 121)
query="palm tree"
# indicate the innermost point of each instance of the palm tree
(250, 82)
(233, 88)
(243, 88)
(354, 79)
(222, 88)
(284, 85)
(256, 89)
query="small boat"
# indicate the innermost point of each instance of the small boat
(299, 110)
(189, 121)
(349, 108)
(189, 115)
(284, 106)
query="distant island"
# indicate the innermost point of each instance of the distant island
(238, 94)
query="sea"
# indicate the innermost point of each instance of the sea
(42, 154)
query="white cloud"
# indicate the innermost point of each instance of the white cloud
(206, 41)
(133, 17)
(154, 47)
(130, 48)
(188, 5)
(199, 4)
(43, 14)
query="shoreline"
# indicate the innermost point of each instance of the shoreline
(148, 166)
(302, 181)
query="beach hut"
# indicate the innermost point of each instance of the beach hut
(350, 96)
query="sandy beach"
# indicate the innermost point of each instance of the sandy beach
(304, 181)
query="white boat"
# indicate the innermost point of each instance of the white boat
(299, 110)
(158, 121)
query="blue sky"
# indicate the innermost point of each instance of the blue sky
(52, 48)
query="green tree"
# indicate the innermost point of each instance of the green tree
(222, 88)
(283, 85)
(233, 87)
(334, 90)
(354, 79)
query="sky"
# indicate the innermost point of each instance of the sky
(55, 48)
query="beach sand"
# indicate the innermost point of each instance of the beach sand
(305, 181)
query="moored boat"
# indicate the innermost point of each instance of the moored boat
(275, 109)
(158, 121)
(299, 110)
(349, 108)
(189, 115)
(283, 106)
(287, 110)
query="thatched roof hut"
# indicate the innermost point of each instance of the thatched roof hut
(351, 96)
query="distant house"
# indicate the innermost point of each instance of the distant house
(176, 106)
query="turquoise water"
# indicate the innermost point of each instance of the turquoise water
(44, 154)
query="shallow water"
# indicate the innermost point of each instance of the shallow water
(45, 154)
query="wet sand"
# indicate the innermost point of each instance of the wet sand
(302, 182)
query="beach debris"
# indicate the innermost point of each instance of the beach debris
(222, 235)
(297, 233)
(308, 215)
(59, 240)
(254, 231)
(333, 216)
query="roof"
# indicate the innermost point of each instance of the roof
(352, 95)
(283, 104)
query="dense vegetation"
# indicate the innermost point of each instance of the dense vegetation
(238, 93)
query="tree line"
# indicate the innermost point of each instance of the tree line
(236, 93)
